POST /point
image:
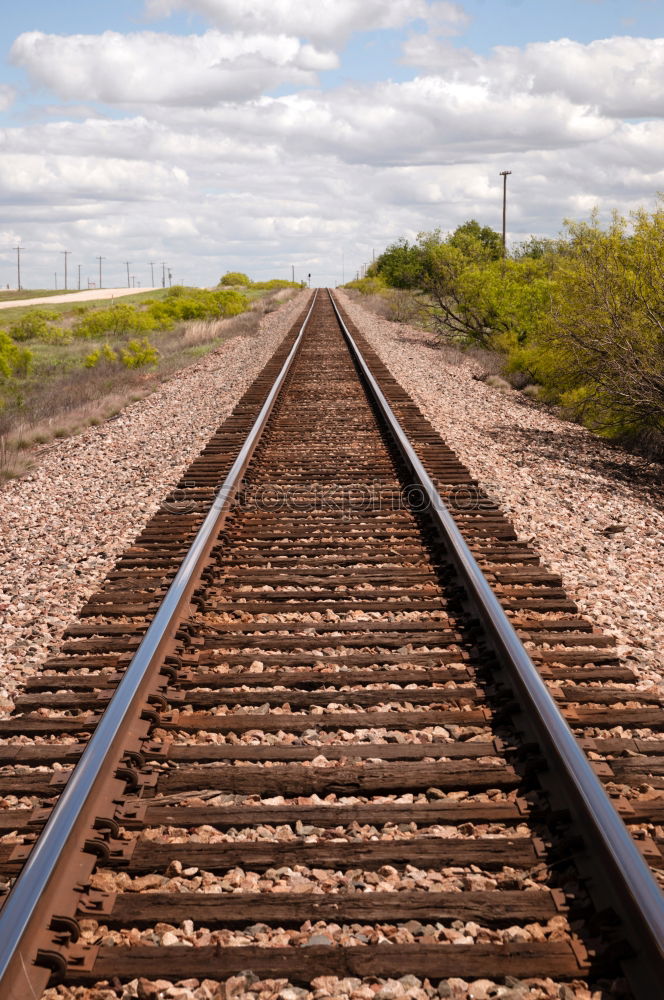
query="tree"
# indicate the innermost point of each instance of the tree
(607, 322)
(471, 232)
(400, 265)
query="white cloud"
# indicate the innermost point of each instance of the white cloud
(7, 96)
(327, 21)
(210, 174)
(622, 77)
(33, 177)
(426, 120)
(146, 67)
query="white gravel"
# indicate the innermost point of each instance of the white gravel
(560, 485)
(63, 526)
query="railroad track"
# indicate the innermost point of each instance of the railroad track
(307, 741)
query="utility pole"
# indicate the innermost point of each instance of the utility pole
(18, 264)
(170, 277)
(128, 262)
(163, 274)
(293, 273)
(100, 260)
(309, 276)
(152, 263)
(66, 253)
(79, 277)
(504, 174)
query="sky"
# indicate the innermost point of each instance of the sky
(278, 137)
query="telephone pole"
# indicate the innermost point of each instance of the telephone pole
(504, 174)
(18, 264)
(100, 260)
(66, 253)
(128, 262)
(152, 263)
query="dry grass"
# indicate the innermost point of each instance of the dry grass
(12, 463)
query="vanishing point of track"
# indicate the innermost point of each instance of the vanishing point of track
(298, 713)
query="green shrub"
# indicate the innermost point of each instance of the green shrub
(606, 324)
(139, 353)
(105, 353)
(235, 278)
(581, 316)
(14, 360)
(183, 304)
(371, 285)
(231, 303)
(116, 321)
(55, 335)
(275, 284)
(32, 325)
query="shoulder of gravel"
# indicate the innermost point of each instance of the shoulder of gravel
(273, 325)
(608, 463)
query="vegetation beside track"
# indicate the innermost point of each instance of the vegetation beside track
(66, 366)
(578, 320)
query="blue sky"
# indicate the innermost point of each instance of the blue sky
(265, 135)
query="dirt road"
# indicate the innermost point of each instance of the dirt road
(90, 295)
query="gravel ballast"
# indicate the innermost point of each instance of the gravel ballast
(595, 512)
(64, 525)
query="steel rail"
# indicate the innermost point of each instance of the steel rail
(628, 880)
(29, 908)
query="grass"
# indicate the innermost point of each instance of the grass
(62, 397)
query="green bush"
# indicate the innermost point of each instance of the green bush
(14, 360)
(235, 278)
(33, 325)
(275, 284)
(55, 335)
(602, 346)
(371, 285)
(183, 304)
(139, 353)
(581, 316)
(117, 321)
(105, 353)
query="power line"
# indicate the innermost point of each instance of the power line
(504, 174)
(66, 253)
(18, 264)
